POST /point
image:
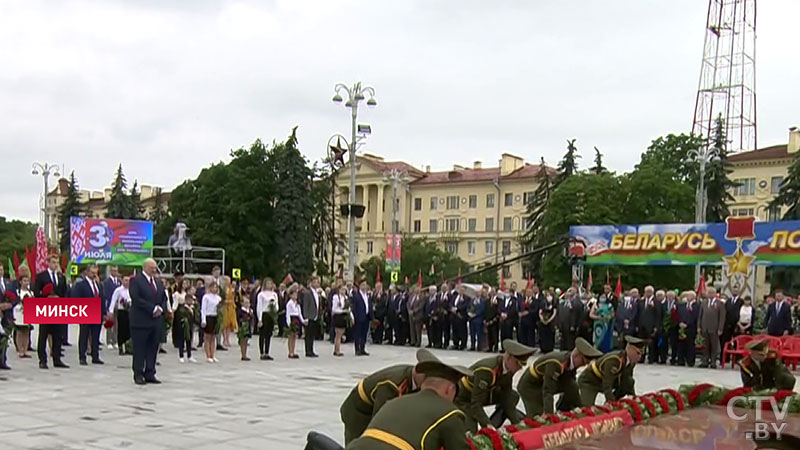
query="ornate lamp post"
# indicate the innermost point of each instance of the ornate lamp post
(45, 170)
(702, 156)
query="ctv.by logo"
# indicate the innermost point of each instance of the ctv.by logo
(763, 429)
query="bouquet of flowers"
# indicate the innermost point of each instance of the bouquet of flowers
(272, 310)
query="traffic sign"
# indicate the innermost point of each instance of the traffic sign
(73, 270)
(236, 274)
(395, 277)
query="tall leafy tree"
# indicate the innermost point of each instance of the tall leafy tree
(294, 208)
(15, 235)
(536, 209)
(119, 205)
(158, 212)
(718, 183)
(568, 165)
(788, 197)
(598, 163)
(135, 208)
(673, 151)
(72, 207)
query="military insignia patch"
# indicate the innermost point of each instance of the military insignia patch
(483, 384)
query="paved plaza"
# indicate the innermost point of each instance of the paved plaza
(231, 405)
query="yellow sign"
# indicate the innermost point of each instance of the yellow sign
(395, 277)
(236, 274)
(73, 270)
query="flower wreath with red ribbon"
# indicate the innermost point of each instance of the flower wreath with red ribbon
(651, 408)
(637, 412)
(677, 396)
(698, 390)
(662, 402)
(730, 395)
(494, 436)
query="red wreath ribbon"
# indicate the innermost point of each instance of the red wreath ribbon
(553, 418)
(661, 402)
(494, 436)
(530, 422)
(780, 395)
(569, 414)
(637, 412)
(697, 391)
(588, 411)
(734, 393)
(677, 396)
(511, 429)
(604, 409)
(651, 408)
(471, 444)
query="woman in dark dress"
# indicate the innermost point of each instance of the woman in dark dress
(547, 324)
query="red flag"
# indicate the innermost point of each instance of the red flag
(378, 276)
(701, 286)
(459, 276)
(288, 279)
(406, 279)
(419, 278)
(618, 289)
(530, 282)
(589, 281)
(30, 256)
(16, 262)
(64, 263)
(502, 280)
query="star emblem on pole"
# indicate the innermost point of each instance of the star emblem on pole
(337, 153)
(739, 262)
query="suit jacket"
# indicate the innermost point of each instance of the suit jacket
(107, 290)
(712, 316)
(732, 314)
(380, 304)
(309, 305)
(144, 299)
(462, 307)
(479, 304)
(431, 307)
(43, 278)
(82, 289)
(570, 314)
(689, 313)
(650, 314)
(5, 286)
(627, 311)
(779, 321)
(508, 306)
(416, 307)
(361, 312)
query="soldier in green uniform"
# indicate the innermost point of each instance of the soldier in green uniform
(763, 369)
(612, 373)
(490, 384)
(427, 419)
(371, 393)
(554, 373)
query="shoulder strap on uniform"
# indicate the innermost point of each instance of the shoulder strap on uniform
(541, 364)
(745, 365)
(435, 424)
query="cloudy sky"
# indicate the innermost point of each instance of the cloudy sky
(168, 87)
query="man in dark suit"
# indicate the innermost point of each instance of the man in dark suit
(779, 316)
(310, 306)
(688, 313)
(732, 306)
(610, 297)
(361, 307)
(507, 307)
(402, 331)
(55, 331)
(148, 305)
(570, 315)
(443, 299)
(627, 317)
(458, 313)
(650, 322)
(110, 284)
(88, 286)
(390, 332)
(433, 319)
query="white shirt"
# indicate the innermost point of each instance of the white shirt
(122, 296)
(293, 309)
(53, 277)
(316, 297)
(337, 304)
(19, 318)
(210, 302)
(364, 298)
(178, 298)
(263, 302)
(745, 314)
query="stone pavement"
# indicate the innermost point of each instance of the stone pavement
(232, 404)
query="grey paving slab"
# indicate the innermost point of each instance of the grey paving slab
(232, 404)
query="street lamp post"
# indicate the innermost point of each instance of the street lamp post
(355, 95)
(45, 170)
(396, 177)
(702, 156)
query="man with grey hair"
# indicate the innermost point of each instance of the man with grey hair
(148, 304)
(710, 325)
(650, 322)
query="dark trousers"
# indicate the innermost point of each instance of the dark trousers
(491, 336)
(311, 333)
(64, 334)
(377, 334)
(475, 333)
(86, 332)
(567, 340)
(691, 346)
(527, 333)
(388, 332)
(56, 332)
(145, 348)
(265, 333)
(361, 328)
(506, 329)
(281, 322)
(654, 349)
(673, 346)
(401, 333)
(460, 333)
(435, 333)
(446, 331)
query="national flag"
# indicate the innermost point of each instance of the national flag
(701, 285)
(530, 282)
(589, 281)
(30, 257)
(618, 289)
(11, 274)
(288, 279)
(41, 251)
(502, 281)
(16, 262)
(419, 278)
(378, 276)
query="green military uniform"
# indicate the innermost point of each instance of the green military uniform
(551, 374)
(424, 420)
(371, 393)
(611, 374)
(770, 373)
(491, 384)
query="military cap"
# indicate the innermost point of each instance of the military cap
(439, 369)
(758, 346)
(586, 349)
(424, 355)
(636, 342)
(514, 348)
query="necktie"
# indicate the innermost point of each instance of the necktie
(153, 283)
(54, 278)
(94, 289)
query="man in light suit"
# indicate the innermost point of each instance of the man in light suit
(711, 325)
(148, 305)
(310, 306)
(57, 331)
(416, 310)
(779, 316)
(361, 306)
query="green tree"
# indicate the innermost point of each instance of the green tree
(135, 208)
(598, 163)
(568, 165)
(119, 205)
(15, 235)
(788, 197)
(718, 183)
(324, 235)
(71, 207)
(536, 209)
(158, 213)
(294, 208)
(673, 151)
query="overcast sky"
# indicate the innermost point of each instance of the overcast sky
(168, 90)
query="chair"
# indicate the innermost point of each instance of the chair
(735, 347)
(775, 343)
(790, 353)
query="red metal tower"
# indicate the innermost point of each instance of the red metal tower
(727, 84)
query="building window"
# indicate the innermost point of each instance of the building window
(490, 247)
(356, 247)
(452, 202)
(451, 247)
(433, 226)
(774, 214)
(525, 224)
(490, 200)
(489, 224)
(396, 224)
(744, 187)
(507, 222)
(743, 212)
(473, 201)
(509, 199)
(434, 203)
(417, 204)
(471, 248)
(506, 272)
(451, 224)
(528, 197)
(506, 248)
(472, 225)
(775, 186)
(417, 226)
(369, 247)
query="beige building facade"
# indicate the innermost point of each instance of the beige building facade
(759, 175)
(476, 213)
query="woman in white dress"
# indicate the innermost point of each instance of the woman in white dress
(23, 330)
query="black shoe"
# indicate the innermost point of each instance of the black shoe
(83, 363)
(139, 381)
(263, 357)
(97, 361)
(153, 380)
(364, 353)
(121, 351)
(269, 358)
(66, 344)
(162, 351)
(220, 347)
(312, 355)
(4, 367)
(60, 365)
(703, 366)
(42, 365)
